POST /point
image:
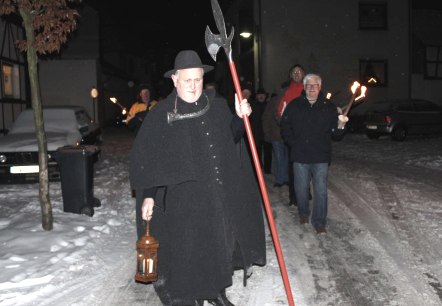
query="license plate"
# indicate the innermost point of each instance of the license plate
(372, 127)
(24, 169)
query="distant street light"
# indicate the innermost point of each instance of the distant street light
(245, 34)
(94, 95)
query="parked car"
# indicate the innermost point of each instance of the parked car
(404, 117)
(64, 126)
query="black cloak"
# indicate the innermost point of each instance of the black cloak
(208, 213)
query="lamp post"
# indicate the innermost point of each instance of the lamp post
(94, 95)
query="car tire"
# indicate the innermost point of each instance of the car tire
(399, 133)
(372, 135)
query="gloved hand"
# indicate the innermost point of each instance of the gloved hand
(242, 108)
(147, 209)
(342, 120)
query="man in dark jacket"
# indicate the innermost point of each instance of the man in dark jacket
(307, 126)
(194, 183)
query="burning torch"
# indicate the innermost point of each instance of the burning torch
(115, 101)
(343, 117)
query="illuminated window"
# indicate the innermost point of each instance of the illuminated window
(10, 80)
(373, 73)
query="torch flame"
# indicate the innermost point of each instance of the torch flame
(355, 86)
(113, 100)
(362, 95)
(124, 112)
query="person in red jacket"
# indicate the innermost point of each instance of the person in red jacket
(290, 92)
(294, 88)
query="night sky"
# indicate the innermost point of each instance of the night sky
(158, 25)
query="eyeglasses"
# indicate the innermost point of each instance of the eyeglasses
(311, 86)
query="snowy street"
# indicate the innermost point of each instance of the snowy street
(383, 244)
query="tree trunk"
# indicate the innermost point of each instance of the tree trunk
(45, 203)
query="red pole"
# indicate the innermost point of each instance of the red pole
(264, 192)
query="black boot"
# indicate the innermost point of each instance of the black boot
(221, 300)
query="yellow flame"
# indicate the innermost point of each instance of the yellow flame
(124, 111)
(113, 100)
(362, 95)
(328, 96)
(355, 86)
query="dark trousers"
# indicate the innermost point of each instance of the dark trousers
(264, 151)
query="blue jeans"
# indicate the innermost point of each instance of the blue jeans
(317, 173)
(280, 153)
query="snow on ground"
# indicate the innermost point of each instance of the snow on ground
(383, 245)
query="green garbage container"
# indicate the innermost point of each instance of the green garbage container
(77, 178)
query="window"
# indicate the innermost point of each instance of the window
(10, 80)
(373, 16)
(373, 73)
(433, 62)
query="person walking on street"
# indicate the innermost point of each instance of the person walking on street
(272, 134)
(139, 108)
(294, 88)
(196, 187)
(263, 148)
(308, 124)
(290, 92)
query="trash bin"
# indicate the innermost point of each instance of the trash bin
(77, 178)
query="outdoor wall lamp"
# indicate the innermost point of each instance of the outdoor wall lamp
(94, 96)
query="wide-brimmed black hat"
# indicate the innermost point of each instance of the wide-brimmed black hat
(187, 59)
(261, 91)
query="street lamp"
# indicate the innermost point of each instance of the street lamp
(94, 95)
(245, 34)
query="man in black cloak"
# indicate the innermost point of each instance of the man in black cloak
(195, 185)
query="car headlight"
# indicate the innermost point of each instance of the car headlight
(2, 158)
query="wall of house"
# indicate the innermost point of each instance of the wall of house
(427, 29)
(325, 39)
(84, 41)
(68, 82)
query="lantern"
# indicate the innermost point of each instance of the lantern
(147, 251)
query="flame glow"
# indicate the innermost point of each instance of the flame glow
(328, 96)
(355, 86)
(362, 95)
(113, 100)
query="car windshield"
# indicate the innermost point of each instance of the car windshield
(55, 120)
